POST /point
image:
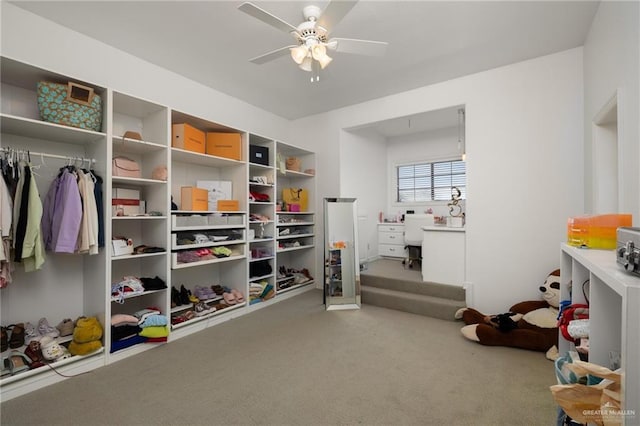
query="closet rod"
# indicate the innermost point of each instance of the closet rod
(45, 154)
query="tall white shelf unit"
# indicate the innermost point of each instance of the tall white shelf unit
(614, 314)
(150, 121)
(70, 286)
(295, 250)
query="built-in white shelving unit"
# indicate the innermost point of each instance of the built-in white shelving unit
(81, 285)
(614, 318)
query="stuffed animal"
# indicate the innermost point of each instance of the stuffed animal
(529, 325)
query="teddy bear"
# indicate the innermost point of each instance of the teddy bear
(531, 325)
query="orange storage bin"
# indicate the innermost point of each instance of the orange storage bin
(227, 145)
(194, 199)
(598, 231)
(228, 205)
(187, 137)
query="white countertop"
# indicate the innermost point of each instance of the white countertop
(442, 228)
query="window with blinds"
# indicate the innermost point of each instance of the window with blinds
(430, 181)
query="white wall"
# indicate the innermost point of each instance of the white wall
(611, 63)
(526, 118)
(435, 145)
(363, 152)
(31, 39)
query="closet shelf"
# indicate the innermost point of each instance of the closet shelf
(292, 173)
(176, 246)
(184, 156)
(134, 146)
(293, 287)
(176, 265)
(260, 240)
(138, 256)
(294, 248)
(260, 278)
(140, 217)
(293, 236)
(256, 259)
(134, 295)
(27, 127)
(137, 181)
(207, 316)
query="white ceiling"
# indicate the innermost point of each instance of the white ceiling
(429, 42)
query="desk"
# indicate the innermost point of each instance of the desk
(443, 255)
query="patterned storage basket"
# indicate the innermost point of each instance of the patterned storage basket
(70, 104)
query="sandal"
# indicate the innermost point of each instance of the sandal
(229, 298)
(238, 295)
(17, 362)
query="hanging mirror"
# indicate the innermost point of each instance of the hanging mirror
(342, 269)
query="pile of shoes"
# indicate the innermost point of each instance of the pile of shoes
(33, 346)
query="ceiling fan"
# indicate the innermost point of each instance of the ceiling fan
(312, 36)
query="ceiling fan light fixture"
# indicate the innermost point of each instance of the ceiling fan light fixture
(298, 54)
(306, 64)
(324, 61)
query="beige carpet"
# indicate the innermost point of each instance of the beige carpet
(296, 364)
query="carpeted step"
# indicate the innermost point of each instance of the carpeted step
(443, 291)
(414, 303)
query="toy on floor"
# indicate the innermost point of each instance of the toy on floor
(531, 325)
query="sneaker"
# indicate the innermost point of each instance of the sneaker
(46, 330)
(65, 327)
(31, 334)
(202, 308)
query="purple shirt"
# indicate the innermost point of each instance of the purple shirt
(62, 214)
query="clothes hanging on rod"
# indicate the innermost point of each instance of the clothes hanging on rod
(27, 214)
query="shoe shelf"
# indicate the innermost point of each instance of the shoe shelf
(138, 256)
(293, 236)
(256, 259)
(115, 299)
(36, 129)
(61, 365)
(176, 265)
(260, 185)
(203, 319)
(301, 247)
(260, 278)
(290, 288)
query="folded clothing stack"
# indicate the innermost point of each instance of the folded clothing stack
(260, 291)
(87, 335)
(153, 325)
(124, 332)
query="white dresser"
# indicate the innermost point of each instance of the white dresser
(391, 240)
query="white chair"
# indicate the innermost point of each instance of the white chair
(413, 235)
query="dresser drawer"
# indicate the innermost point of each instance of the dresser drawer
(391, 250)
(391, 238)
(391, 228)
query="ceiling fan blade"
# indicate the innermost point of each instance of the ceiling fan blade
(334, 12)
(266, 17)
(271, 55)
(359, 47)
